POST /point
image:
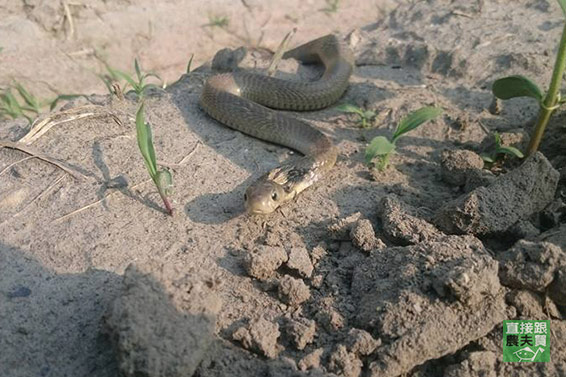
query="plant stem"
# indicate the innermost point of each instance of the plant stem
(551, 98)
(167, 203)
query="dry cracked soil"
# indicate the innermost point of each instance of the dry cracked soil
(406, 272)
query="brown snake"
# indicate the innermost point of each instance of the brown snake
(242, 101)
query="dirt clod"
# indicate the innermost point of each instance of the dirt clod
(345, 363)
(363, 236)
(394, 300)
(530, 265)
(510, 198)
(260, 336)
(151, 337)
(341, 228)
(312, 360)
(300, 261)
(402, 224)
(302, 332)
(293, 291)
(477, 364)
(457, 165)
(360, 342)
(264, 261)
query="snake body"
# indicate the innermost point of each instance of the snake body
(244, 101)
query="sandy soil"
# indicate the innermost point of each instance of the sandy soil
(410, 271)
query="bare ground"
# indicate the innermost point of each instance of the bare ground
(406, 272)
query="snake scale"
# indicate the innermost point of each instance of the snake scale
(244, 101)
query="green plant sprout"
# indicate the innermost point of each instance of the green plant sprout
(25, 104)
(520, 86)
(501, 150)
(220, 21)
(139, 87)
(331, 6)
(380, 148)
(162, 178)
(366, 116)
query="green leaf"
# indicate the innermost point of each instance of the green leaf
(511, 151)
(28, 98)
(165, 182)
(151, 74)
(379, 146)
(138, 70)
(487, 159)
(145, 143)
(347, 108)
(563, 6)
(516, 86)
(128, 78)
(415, 119)
(368, 114)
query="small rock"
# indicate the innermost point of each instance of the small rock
(456, 165)
(317, 281)
(530, 265)
(330, 319)
(293, 291)
(260, 336)
(312, 360)
(318, 253)
(300, 261)
(511, 197)
(345, 363)
(402, 225)
(264, 261)
(360, 342)
(302, 332)
(363, 236)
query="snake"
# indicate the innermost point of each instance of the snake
(249, 102)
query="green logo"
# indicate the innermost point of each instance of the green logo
(526, 341)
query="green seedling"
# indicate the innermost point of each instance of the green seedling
(25, 104)
(139, 87)
(331, 6)
(215, 20)
(380, 148)
(365, 116)
(500, 151)
(162, 178)
(520, 86)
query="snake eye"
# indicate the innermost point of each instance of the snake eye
(274, 195)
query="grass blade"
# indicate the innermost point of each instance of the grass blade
(29, 99)
(145, 143)
(138, 70)
(563, 6)
(379, 146)
(415, 119)
(516, 86)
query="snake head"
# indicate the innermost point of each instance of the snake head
(264, 197)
